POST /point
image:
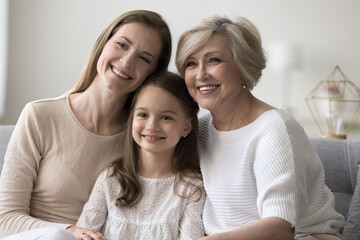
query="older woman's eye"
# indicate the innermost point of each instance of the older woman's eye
(214, 60)
(190, 64)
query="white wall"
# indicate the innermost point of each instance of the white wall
(3, 53)
(49, 41)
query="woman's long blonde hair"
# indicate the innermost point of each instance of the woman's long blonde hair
(149, 18)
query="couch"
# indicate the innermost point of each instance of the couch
(340, 159)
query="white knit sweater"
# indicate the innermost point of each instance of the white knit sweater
(265, 169)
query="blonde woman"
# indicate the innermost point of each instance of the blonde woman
(262, 178)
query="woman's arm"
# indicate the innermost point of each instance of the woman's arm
(271, 228)
(21, 165)
(277, 187)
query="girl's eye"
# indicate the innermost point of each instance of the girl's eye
(214, 60)
(144, 59)
(142, 115)
(189, 64)
(167, 118)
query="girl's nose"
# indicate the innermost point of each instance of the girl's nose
(151, 124)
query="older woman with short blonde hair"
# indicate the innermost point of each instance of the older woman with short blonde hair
(262, 177)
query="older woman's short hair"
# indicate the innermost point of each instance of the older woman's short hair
(243, 38)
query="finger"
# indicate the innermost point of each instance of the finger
(96, 235)
(85, 236)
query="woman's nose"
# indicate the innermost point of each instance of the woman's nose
(128, 59)
(201, 73)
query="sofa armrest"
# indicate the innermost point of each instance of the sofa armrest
(340, 159)
(5, 134)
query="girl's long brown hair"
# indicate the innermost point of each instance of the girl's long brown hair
(185, 160)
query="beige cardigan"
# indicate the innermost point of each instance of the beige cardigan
(50, 167)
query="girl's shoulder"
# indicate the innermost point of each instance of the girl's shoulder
(189, 184)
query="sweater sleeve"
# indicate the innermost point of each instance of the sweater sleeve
(21, 164)
(274, 170)
(95, 211)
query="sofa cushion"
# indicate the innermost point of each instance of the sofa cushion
(352, 226)
(340, 173)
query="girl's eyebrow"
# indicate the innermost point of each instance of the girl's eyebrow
(166, 111)
(139, 108)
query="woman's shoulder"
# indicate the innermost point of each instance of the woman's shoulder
(277, 119)
(48, 103)
(205, 121)
(45, 106)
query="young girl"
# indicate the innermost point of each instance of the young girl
(155, 191)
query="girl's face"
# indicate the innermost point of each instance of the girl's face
(211, 75)
(128, 57)
(159, 121)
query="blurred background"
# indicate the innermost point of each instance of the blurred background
(44, 44)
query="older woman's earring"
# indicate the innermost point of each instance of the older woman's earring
(244, 86)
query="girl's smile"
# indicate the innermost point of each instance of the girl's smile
(159, 121)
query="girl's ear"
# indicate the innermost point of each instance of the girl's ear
(187, 128)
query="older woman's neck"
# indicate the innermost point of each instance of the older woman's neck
(240, 113)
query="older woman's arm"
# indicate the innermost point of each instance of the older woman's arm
(271, 228)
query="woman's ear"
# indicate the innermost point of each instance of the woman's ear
(187, 128)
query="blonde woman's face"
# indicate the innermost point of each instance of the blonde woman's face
(211, 75)
(129, 57)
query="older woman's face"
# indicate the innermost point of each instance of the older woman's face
(212, 76)
(129, 57)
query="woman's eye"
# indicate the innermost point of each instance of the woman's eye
(189, 64)
(122, 45)
(144, 59)
(214, 60)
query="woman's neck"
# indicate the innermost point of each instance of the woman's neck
(240, 113)
(98, 111)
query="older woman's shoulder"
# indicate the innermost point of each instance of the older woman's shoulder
(281, 122)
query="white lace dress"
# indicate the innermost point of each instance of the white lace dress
(160, 214)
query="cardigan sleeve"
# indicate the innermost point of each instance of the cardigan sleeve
(21, 164)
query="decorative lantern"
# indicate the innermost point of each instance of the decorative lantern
(335, 104)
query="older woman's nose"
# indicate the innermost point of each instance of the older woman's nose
(201, 73)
